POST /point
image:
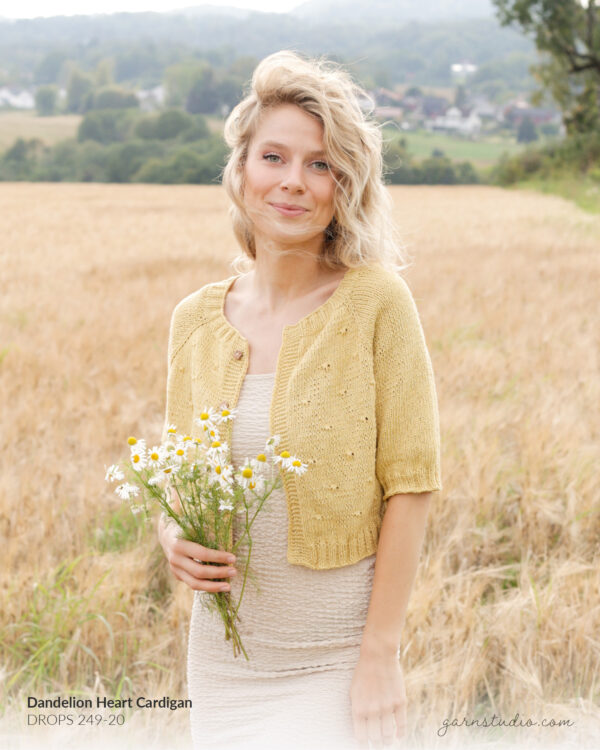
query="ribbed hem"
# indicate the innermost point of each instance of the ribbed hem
(332, 553)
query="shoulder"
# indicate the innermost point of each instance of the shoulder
(380, 290)
(194, 310)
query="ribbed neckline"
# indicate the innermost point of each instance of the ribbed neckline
(312, 321)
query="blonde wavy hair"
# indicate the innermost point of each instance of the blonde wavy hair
(362, 231)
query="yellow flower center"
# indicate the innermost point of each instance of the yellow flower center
(285, 454)
(217, 469)
(187, 437)
(251, 485)
(261, 457)
(215, 444)
(247, 472)
(135, 459)
(296, 463)
(167, 470)
(204, 415)
(171, 430)
(131, 441)
(180, 452)
(225, 413)
(154, 456)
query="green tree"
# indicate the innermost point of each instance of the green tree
(567, 34)
(105, 126)
(526, 132)
(113, 97)
(104, 73)
(79, 86)
(460, 96)
(49, 67)
(203, 97)
(45, 100)
(180, 78)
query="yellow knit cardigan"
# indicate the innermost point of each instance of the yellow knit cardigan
(354, 396)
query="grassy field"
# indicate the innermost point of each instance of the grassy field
(50, 130)
(505, 612)
(583, 190)
(481, 153)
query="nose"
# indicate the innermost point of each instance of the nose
(293, 177)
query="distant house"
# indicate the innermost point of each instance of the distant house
(433, 106)
(453, 121)
(16, 98)
(389, 113)
(462, 70)
(151, 99)
(387, 98)
(515, 112)
(483, 107)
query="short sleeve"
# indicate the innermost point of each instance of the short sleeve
(179, 409)
(408, 431)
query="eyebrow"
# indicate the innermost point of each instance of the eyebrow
(275, 144)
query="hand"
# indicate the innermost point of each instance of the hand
(186, 560)
(378, 697)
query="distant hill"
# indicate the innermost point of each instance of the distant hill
(197, 11)
(393, 10)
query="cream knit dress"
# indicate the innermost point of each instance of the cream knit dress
(301, 629)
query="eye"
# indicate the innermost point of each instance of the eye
(325, 165)
(266, 156)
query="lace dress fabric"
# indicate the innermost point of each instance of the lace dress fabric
(301, 629)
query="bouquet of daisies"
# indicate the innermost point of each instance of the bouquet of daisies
(211, 492)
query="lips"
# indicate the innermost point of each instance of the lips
(289, 210)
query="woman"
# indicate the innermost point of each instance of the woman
(320, 343)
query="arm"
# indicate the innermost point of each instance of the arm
(398, 552)
(377, 692)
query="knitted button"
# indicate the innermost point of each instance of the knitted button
(238, 354)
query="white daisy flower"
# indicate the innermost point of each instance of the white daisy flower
(217, 452)
(179, 454)
(247, 476)
(297, 467)
(155, 456)
(290, 463)
(221, 474)
(126, 491)
(208, 420)
(225, 505)
(226, 415)
(166, 472)
(114, 473)
(272, 444)
(138, 457)
(171, 431)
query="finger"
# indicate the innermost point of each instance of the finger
(387, 729)
(360, 730)
(400, 721)
(201, 570)
(199, 552)
(374, 730)
(198, 584)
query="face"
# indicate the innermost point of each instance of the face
(287, 165)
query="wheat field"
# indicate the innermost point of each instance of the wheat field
(504, 615)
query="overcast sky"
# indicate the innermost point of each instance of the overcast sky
(35, 8)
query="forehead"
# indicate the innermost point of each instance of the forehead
(289, 126)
